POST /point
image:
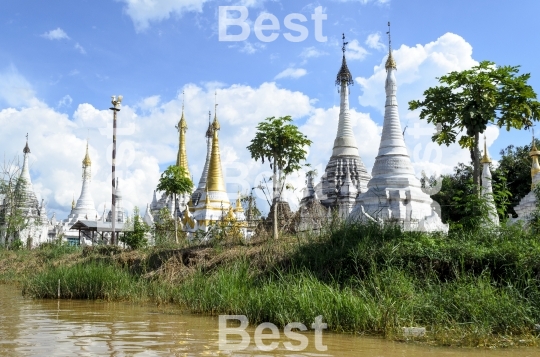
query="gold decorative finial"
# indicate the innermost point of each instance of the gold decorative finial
(86, 161)
(238, 207)
(390, 63)
(73, 203)
(485, 158)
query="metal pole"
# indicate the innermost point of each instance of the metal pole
(113, 209)
(115, 102)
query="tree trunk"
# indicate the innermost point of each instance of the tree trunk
(275, 202)
(175, 220)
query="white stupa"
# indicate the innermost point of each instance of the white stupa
(394, 193)
(345, 165)
(487, 188)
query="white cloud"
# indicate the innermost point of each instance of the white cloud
(65, 101)
(80, 48)
(312, 52)
(251, 48)
(418, 68)
(149, 102)
(355, 51)
(143, 12)
(374, 41)
(291, 73)
(15, 90)
(57, 34)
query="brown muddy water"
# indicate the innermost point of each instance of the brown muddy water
(93, 328)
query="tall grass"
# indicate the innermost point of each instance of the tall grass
(360, 278)
(92, 281)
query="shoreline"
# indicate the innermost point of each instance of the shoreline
(363, 280)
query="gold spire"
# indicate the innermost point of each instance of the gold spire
(390, 63)
(238, 207)
(73, 203)
(485, 158)
(214, 181)
(181, 159)
(86, 161)
(534, 154)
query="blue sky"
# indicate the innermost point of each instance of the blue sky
(60, 61)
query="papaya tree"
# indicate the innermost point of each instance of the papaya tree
(279, 142)
(175, 181)
(468, 101)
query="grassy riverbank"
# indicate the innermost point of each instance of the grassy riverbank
(466, 289)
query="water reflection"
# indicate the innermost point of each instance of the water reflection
(87, 328)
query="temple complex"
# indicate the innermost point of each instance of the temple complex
(394, 193)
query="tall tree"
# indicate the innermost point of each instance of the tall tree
(12, 219)
(175, 181)
(471, 99)
(280, 143)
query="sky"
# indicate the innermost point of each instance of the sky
(61, 61)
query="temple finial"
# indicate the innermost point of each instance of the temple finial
(86, 161)
(390, 63)
(215, 124)
(344, 75)
(485, 158)
(26, 149)
(344, 45)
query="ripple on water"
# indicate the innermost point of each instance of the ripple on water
(89, 328)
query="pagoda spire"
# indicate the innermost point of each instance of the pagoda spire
(215, 180)
(25, 173)
(345, 142)
(181, 158)
(85, 204)
(209, 135)
(345, 149)
(487, 187)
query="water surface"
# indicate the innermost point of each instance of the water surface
(89, 328)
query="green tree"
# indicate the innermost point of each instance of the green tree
(12, 219)
(135, 236)
(471, 99)
(175, 181)
(280, 143)
(459, 205)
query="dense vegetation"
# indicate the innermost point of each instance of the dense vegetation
(467, 289)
